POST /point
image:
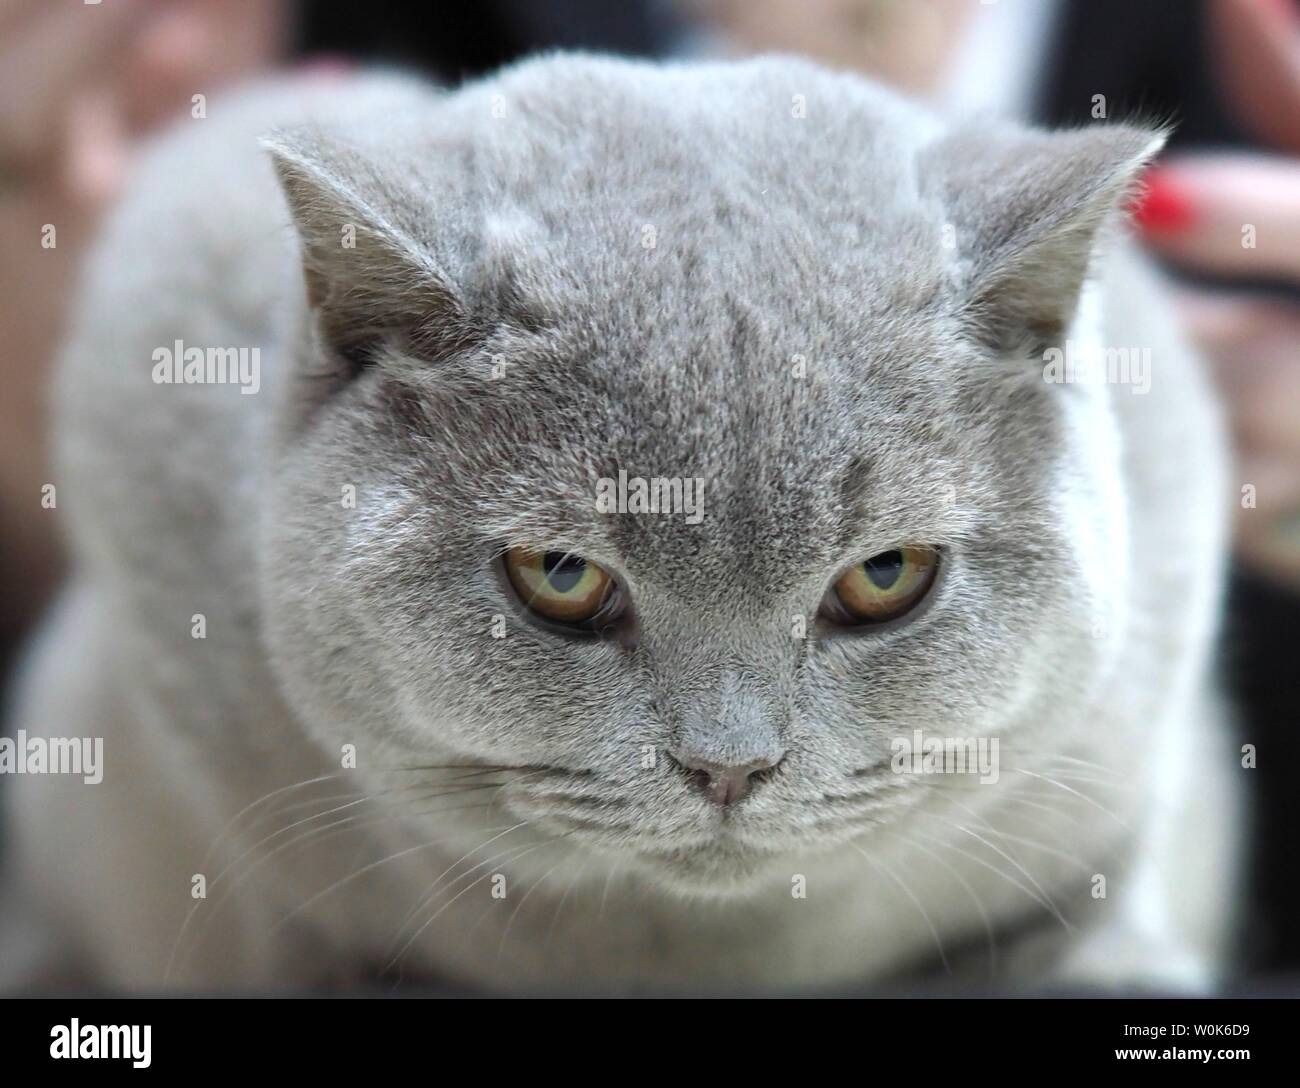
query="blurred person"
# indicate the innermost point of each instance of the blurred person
(81, 85)
(1236, 217)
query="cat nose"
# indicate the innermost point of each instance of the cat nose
(725, 785)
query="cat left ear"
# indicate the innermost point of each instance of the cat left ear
(367, 279)
(1027, 209)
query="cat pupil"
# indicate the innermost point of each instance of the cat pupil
(884, 569)
(563, 571)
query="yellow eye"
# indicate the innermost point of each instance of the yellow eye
(883, 587)
(559, 586)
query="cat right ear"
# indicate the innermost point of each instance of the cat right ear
(1028, 209)
(368, 282)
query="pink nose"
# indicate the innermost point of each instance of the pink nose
(726, 785)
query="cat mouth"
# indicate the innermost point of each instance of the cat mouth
(722, 853)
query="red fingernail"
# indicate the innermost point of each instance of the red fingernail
(1163, 205)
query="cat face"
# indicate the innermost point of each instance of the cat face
(821, 325)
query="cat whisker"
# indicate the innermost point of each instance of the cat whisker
(604, 895)
(956, 874)
(194, 910)
(513, 856)
(1046, 848)
(589, 800)
(1035, 896)
(340, 808)
(1082, 796)
(1018, 867)
(1115, 783)
(392, 793)
(550, 933)
(356, 874)
(230, 825)
(1054, 757)
(437, 880)
(473, 770)
(1034, 802)
(505, 932)
(320, 833)
(433, 887)
(879, 865)
(579, 823)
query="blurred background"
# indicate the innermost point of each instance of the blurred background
(82, 84)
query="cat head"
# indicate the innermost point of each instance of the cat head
(799, 312)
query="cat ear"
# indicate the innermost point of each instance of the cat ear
(367, 280)
(1026, 210)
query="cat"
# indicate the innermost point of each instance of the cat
(385, 697)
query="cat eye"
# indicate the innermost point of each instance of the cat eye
(882, 588)
(563, 588)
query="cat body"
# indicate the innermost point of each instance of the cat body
(469, 308)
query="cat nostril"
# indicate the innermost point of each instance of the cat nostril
(727, 785)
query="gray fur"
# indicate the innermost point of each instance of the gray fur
(1083, 530)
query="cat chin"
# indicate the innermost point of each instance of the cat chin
(710, 870)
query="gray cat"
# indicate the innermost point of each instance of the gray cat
(386, 692)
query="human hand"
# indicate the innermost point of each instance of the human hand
(1238, 215)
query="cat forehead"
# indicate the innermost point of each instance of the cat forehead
(743, 472)
(772, 161)
(742, 109)
(764, 330)
(689, 288)
(700, 158)
(704, 377)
